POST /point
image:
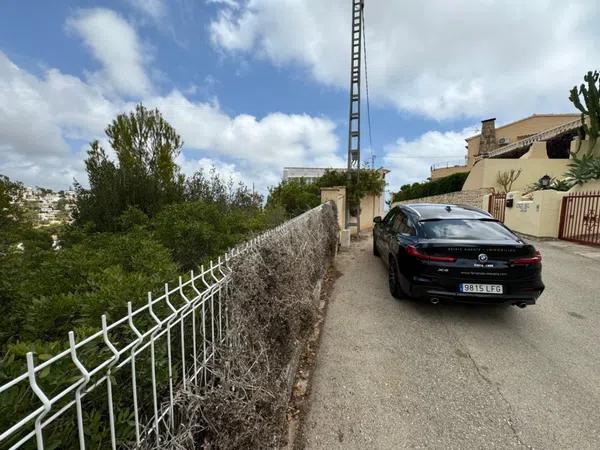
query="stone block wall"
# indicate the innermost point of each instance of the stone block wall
(470, 198)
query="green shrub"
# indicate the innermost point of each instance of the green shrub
(584, 169)
(445, 185)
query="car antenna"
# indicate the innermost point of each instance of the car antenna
(448, 208)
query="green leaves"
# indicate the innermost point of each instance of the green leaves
(144, 177)
(584, 169)
(451, 183)
(297, 195)
(591, 110)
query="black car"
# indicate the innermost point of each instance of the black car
(456, 253)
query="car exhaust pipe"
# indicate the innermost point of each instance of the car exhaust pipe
(434, 300)
(522, 305)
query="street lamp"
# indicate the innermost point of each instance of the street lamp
(545, 181)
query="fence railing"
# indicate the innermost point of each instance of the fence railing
(543, 136)
(175, 336)
(580, 218)
(449, 164)
(497, 206)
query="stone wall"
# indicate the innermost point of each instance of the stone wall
(487, 142)
(470, 198)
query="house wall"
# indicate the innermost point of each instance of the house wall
(370, 207)
(537, 214)
(484, 173)
(518, 130)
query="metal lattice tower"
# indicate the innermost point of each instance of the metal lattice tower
(354, 116)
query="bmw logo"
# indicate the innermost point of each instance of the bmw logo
(483, 258)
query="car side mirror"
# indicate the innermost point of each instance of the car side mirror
(377, 219)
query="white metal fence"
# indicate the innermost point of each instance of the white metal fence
(177, 334)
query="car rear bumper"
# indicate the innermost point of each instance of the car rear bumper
(528, 297)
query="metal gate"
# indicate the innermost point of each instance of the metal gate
(497, 206)
(580, 218)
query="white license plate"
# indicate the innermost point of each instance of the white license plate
(473, 288)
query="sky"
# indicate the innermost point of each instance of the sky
(256, 85)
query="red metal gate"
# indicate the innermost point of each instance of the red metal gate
(580, 218)
(497, 206)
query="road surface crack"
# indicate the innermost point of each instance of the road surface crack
(465, 351)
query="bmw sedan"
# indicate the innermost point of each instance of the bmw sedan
(456, 253)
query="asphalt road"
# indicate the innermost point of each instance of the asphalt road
(404, 374)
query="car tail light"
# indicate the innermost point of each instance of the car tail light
(537, 259)
(413, 251)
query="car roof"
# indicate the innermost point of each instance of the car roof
(428, 211)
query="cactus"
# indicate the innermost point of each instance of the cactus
(591, 109)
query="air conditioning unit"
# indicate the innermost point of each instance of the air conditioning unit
(503, 141)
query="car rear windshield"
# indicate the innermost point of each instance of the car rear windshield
(467, 229)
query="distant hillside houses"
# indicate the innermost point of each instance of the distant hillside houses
(47, 207)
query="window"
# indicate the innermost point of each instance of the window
(468, 229)
(390, 216)
(402, 225)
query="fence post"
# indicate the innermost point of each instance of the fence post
(563, 213)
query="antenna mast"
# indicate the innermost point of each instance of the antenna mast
(354, 119)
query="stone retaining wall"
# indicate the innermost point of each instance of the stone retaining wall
(470, 198)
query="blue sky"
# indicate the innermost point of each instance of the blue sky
(255, 85)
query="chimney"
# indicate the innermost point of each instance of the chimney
(488, 136)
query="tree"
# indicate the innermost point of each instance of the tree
(366, 182)
(212, 188)
(444, 185)
(144, 175)
(10, 195)
(295, 196)
(507, 178)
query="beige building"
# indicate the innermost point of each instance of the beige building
(514, 139)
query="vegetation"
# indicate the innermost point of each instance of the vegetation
(556, 184)
(10, 213)
(507, 178)
(445, 185)
(139, 224)
(584, 169)
(591, 110)
(297, 195)
(145, 175)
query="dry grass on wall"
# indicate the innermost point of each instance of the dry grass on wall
(271, 314)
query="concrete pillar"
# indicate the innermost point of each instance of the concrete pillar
(337, 194)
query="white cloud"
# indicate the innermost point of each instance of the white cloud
(115, 44)
(260, 147)
(154, 9)
(39, 115)
(410, 160)
(230, 3)
(436, 58)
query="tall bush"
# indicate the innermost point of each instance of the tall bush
(445, 185)
(144, 175)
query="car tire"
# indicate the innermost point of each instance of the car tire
(375, 251)
(394, 280)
